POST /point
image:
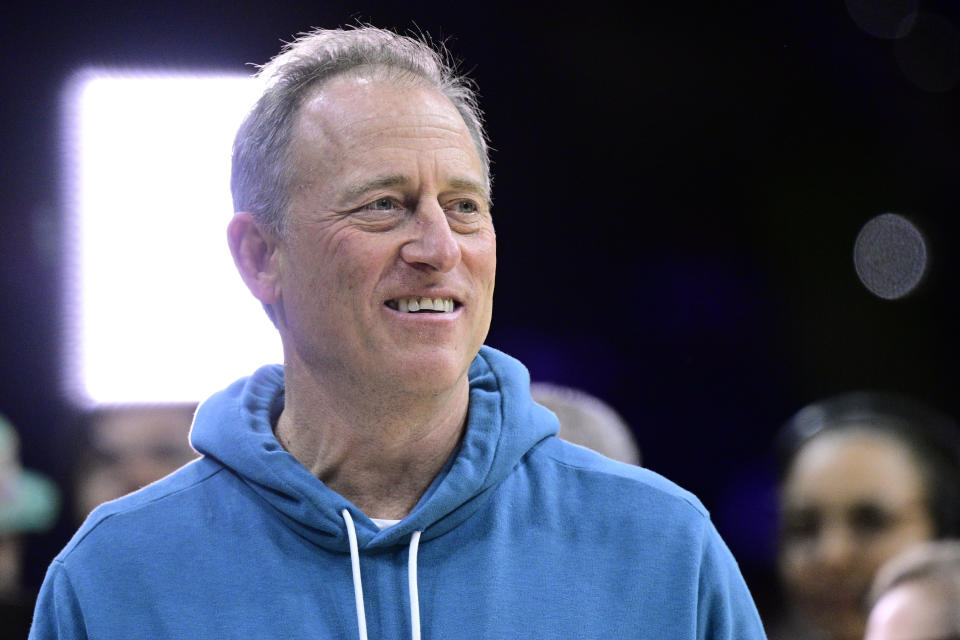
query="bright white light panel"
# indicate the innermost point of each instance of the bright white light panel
(156, 311)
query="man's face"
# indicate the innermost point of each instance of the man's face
(388, 207)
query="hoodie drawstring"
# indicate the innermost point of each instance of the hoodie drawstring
(358, 586)
(355, 563)
(414, 592)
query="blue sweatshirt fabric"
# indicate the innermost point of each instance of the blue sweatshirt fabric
(522, 536)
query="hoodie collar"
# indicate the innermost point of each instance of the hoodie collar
(503, 424)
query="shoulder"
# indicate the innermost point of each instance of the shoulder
(579, 485)
(145, 513)
(604, 476)
(655, 524)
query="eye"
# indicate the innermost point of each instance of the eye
(107, 457)
(381, 204)
(801, 525)
(869, 519)
(465, 207)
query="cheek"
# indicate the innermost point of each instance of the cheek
(480, 254)
(794, 565)
(337, 268)
(898, 539)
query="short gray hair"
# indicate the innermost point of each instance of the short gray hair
(261, 175)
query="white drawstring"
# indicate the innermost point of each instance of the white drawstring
(355, 563)
(358, 586)
(414, 593)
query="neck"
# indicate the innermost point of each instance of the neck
(378, 448)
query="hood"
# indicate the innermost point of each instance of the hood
(503, 424)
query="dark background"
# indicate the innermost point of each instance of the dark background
(678, 187)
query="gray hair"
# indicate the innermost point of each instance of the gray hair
(261, 175)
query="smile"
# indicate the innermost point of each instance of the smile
(418, 304)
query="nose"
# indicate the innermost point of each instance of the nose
(836, 548)
(434, 244)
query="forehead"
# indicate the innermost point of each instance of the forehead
(135, 427)
(851, 465)
(364, 121)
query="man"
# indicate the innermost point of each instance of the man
(394, 478)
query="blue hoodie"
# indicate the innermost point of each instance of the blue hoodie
(521, 535)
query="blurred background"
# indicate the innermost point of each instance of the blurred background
(679, 189)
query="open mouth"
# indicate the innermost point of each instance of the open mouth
(418, 304)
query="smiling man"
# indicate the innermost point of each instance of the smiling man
(394, 477)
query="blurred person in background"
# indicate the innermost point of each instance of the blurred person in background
(126, 447)
(916, 595)
(588, 421)
(29, 503)
(865, 475)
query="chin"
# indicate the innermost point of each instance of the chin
(843, 626)
(432, 370)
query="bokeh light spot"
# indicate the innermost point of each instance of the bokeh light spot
(890, 256)
(888, 19)
(930, 56)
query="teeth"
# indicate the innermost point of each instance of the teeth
(414, 304)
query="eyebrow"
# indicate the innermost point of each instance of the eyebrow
(399, 180)
(465, 184)
(380, 182)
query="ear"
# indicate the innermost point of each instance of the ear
(256, 254)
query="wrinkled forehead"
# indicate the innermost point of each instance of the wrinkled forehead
(355, 124)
